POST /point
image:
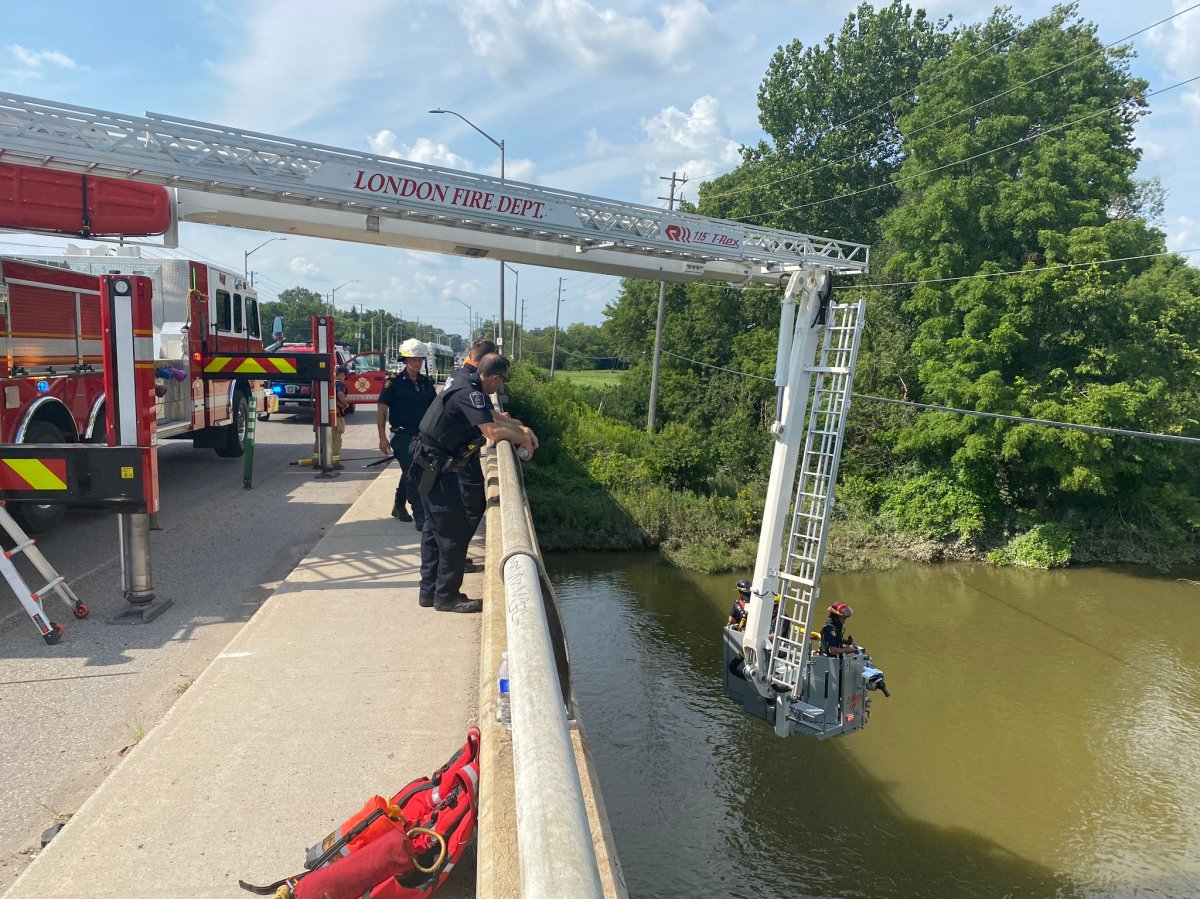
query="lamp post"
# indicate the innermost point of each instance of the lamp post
(248, 253)
(333, 295)
(471, 320)
(500, 145)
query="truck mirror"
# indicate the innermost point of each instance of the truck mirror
(277, 328)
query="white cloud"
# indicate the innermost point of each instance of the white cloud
(1180, 41)
(383, 143)
(1191, 104)
(33, 63)
(295, 65)
(516, 39)
(1182, 234)
(695, 143)
(304, 267)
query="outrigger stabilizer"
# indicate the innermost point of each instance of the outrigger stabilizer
(770, 668)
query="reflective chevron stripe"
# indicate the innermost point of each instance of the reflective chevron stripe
(33, 474)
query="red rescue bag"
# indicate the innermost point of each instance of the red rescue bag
(402, 848)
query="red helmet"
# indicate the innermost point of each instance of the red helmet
(840, 608)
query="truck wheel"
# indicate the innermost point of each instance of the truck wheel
(235, 439)
(35, 518)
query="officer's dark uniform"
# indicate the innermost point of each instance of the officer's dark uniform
(449, 438)
(832, 634)
(470, 479)
(407, 404)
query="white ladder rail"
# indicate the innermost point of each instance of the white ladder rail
(800, 569)
(213, 159)
(33, 601)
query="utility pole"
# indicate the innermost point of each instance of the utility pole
(554, 348)
(662, 311)
(521, 333)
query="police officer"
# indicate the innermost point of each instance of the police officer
(470, 479)
(451, 432)
(834, 642)
(403, 402)
(737, 614)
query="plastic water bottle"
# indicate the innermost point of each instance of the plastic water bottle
(505, 707)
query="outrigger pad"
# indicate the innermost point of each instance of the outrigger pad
(399, 848)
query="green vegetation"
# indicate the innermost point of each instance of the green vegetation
(592, 378)
(1017, 269)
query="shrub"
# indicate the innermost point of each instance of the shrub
(1042, 546)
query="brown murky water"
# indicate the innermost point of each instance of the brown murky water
(1042, 739)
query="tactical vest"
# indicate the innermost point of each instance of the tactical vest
(451, 434)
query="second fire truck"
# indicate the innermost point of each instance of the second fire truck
(50, 353)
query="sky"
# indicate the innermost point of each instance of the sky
(604, 97)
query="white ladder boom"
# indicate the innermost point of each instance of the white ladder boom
(261, 181)
(800, 571)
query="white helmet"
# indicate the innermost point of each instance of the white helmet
(414, 349)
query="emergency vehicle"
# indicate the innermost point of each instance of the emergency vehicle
(364, 379)
(51, 365)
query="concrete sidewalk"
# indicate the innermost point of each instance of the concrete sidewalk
(339, 687)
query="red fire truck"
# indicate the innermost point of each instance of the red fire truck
(51, 358)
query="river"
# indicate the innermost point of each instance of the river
(1042, 738)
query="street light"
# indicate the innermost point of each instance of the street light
(471, 320)
(500, 145)
(333, 295)
(246, 256)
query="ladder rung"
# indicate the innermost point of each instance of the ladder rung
(50, 586)
(20, 547)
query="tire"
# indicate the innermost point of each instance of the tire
(34, 518)
(264, 416)
(235, 433)
(350, 409)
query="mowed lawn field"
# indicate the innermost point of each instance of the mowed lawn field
(593, 378)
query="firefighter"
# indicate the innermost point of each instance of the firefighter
(402, 403)
(342, 403)
(451, 432)
(834, 642)
(737, 614)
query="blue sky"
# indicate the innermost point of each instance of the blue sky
(597, 96)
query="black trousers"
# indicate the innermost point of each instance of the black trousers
(445, 535)
(470, 482)
(407, 488)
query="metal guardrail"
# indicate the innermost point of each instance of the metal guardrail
(557, 856)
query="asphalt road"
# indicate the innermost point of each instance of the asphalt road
(68, 711)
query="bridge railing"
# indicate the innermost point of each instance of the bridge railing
(543, 829)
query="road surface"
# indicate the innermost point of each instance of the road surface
(68, 711)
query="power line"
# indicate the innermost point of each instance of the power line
(896, 181)
(1020, 271)
(1045, 422)
(902, 96)
(946, 118)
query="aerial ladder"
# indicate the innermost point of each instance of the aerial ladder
(244, 179)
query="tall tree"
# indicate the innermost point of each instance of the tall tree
(1021, 156)
(831, 111)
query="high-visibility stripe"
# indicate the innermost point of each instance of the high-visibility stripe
(33, 474)
(257, 365)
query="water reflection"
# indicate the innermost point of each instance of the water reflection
(1042, 738)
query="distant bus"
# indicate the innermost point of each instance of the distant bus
(442, 363)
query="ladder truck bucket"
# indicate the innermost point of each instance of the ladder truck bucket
(770, 669)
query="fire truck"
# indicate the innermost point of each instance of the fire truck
(51, 363)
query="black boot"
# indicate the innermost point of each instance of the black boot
(398, 511)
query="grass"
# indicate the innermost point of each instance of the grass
(591, 377)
